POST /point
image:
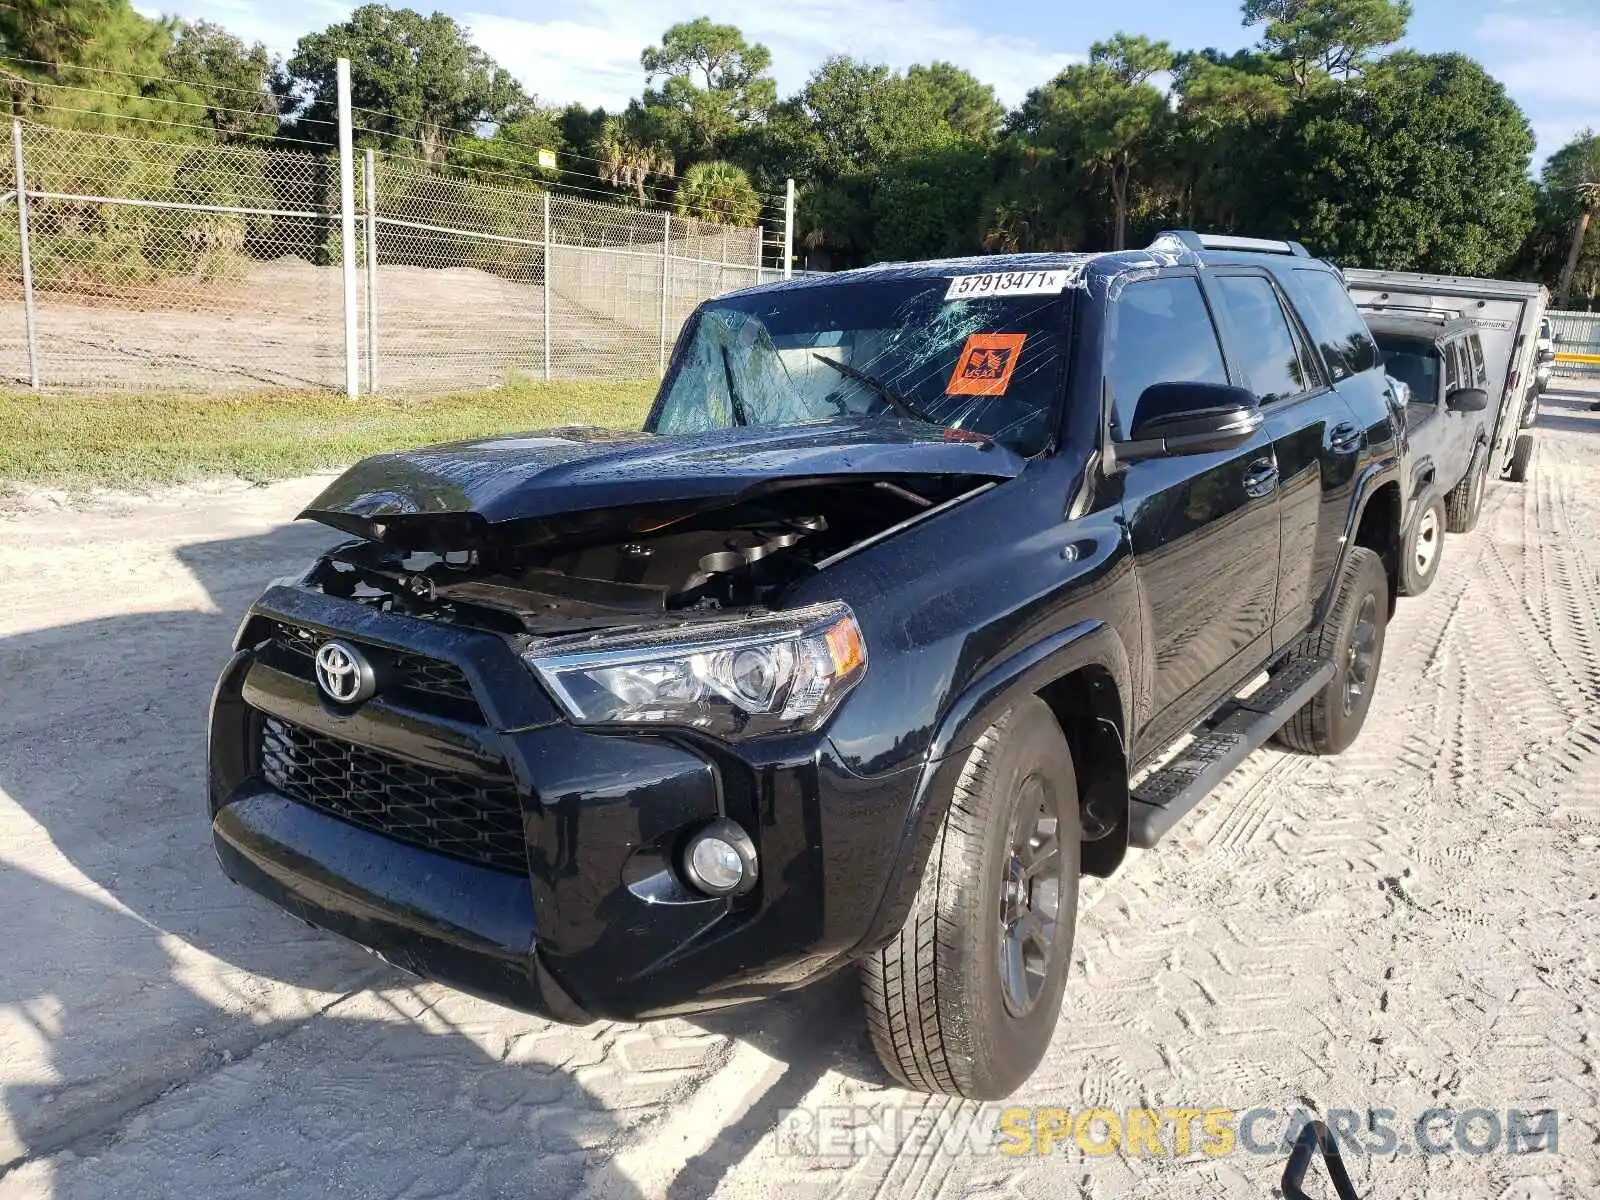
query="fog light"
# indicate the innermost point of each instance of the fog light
(720, 860)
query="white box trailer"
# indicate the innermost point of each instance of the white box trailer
(1508, 314)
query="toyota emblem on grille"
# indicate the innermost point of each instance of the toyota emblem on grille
(343, 673)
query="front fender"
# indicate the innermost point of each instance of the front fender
(1089, 643)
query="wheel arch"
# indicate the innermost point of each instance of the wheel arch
(1379, 528)
(1083, 676)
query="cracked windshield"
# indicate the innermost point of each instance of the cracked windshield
(897, 349)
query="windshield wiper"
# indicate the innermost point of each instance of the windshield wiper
(735, 402)
(893, 398)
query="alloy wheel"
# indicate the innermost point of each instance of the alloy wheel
(1030, 900)
(1361, 663)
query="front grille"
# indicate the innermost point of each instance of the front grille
(476, 820)
(426, 684)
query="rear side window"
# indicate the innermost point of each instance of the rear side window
(1326, 308)
(1161, 332)
(1452, 367)
(1262, 341)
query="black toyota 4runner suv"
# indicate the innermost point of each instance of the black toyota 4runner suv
(925, 590)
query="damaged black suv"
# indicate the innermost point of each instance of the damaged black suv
(925, 590)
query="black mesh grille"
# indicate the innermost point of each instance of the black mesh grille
(477, 820)
(426, 684)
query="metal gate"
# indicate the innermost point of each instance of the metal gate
(1577, 344)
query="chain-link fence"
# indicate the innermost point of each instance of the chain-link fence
(138, 264)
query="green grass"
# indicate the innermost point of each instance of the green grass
(137, 440)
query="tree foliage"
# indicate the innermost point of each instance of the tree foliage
(1320, 132)
(63, 44)
(717, 191)
(1321, 39)
(629, 156)
(1104, 117)
(420, 80)
(713, 84)
(209, 67)
(1424, 167)
(1572, 186)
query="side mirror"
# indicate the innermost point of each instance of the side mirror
(1547, 355)
(1191, 418)
(1465, 400)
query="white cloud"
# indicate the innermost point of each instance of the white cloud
(277, 24)
(593, 56)
(1551, 66)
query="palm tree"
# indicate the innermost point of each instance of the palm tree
(719, 192)
(627, 160)
(1575, 168)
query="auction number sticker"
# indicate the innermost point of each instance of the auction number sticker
(1009, 283)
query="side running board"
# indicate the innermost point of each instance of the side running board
(1225, 740)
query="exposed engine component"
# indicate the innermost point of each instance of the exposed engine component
(741, 556)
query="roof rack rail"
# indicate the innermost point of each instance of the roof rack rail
(1226, 241)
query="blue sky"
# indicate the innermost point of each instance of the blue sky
(1547, 52)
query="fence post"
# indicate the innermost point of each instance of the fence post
(370, 190)
(761, 253)
(788, 231)
(666, 283)
(347, 234)
(549, 292)
(27, 258)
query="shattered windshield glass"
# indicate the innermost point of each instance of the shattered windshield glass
(886, 348)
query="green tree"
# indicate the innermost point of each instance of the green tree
(855, 120)
(968, 106)
(95, 35)
(57, 31)
(207, 65)
(1106, 117)
(630, 155)
(1228, 107)
(512, 149)
(1572, 177)
(1322, 38)
(421, 79)
(1423, 166)
(718, 191)
(930, 205)
(714, 84)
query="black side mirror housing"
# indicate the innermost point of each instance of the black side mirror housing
(1465, 400)
(1191, 418)
(1547, 356)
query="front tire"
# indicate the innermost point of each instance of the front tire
(1352, 638)
(1422, 548)
(964, 1000)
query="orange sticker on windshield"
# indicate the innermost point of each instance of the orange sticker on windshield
(986, 364)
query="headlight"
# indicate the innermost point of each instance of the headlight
(780, 673)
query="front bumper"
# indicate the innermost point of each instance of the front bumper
(584, 916)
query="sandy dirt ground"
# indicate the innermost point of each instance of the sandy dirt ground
(1410, 926)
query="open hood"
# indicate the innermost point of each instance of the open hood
(574, 482)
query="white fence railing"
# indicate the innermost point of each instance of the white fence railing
(1577, 344)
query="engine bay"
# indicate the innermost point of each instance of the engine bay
(743, 556)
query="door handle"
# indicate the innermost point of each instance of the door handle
(1345, 437)
(1261, 478)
